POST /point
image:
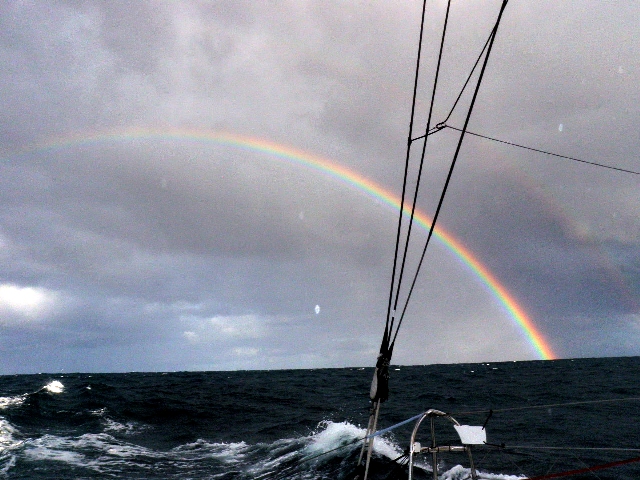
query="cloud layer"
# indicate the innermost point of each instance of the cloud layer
(166, 253)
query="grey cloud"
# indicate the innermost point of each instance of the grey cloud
(143, 234)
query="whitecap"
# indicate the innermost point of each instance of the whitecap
(54, 387)
(60, 455)
(232, 452)
(8, 445)
(129, 428)
(460, 473)
(331, 435)
(9, 464)
(6, 402)
(7, 457)
(81, 451)
(7, 433)
(335, 434)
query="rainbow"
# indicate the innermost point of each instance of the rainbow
(333, 170)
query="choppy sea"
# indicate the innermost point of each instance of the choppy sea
(305, 424)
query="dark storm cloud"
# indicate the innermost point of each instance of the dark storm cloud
(543, 254)
(173, 254)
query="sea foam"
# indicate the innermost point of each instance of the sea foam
(332, 435)
(6, 402)
(54, 387)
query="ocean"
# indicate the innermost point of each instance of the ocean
(306, 424)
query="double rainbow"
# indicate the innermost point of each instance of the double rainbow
(338, 172)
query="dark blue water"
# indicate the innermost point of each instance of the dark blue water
(277, 424)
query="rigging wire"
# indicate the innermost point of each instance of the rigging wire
(422, 157)
(549, 405)
(390, 320)
(406, 169)
(624, 170)
(453, 163)
(588, 449)
(516, 466)
(442, 124)
(583, 463)
(585, 470)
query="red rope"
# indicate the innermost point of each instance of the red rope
(585, 470)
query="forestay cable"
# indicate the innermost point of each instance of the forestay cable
(453, 163)
(380, 384)
(406, 170)
(422, 157)
(379, 391)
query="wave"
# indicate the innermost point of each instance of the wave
(329, 452)
(113, 426)
(54, 387)
(8, 402)
(11, 443)
(118, 449)
(99, 442)
(330, 435)
(8, 445)
(104, 454)
(128, 428)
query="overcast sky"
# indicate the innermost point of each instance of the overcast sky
(166, 253)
